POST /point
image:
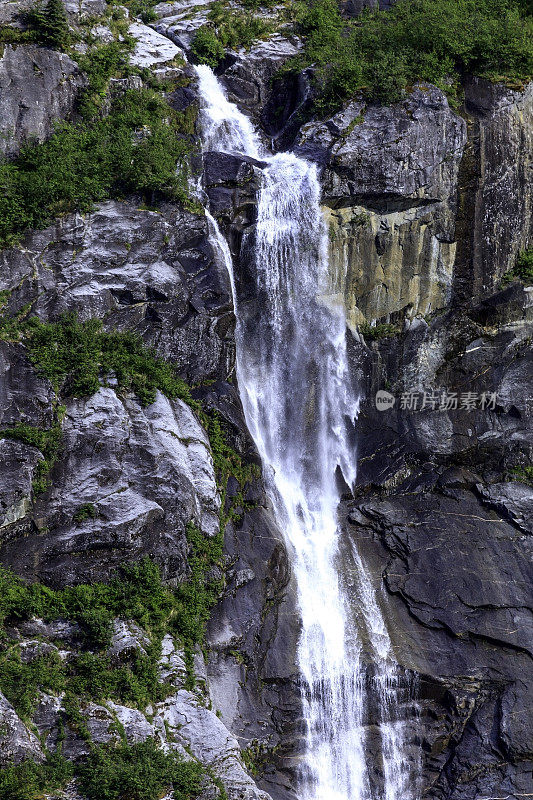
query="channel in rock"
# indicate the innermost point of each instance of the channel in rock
(301, 409)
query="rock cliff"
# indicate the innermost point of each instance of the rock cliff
(427, 207)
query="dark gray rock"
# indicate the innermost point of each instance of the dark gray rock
(396, 157)
(154, 272)
(495, 219)
(37, 87)
(232, 184)
(18, 466)
(513, 500)
(24, 397)
(251, 81)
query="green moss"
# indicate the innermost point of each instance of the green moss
(523, 474)
(85, 512)
(196, 596)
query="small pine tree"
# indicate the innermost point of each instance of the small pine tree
(54, 26)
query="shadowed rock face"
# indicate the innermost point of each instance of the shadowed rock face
(448, 537)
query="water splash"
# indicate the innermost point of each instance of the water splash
(299, 402)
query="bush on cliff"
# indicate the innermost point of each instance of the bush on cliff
(226, 28)
(382, 53)
(139, 148)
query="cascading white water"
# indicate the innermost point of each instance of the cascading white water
(299, 403)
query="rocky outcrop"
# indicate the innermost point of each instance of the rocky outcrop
(495, 215)
(249, 81)
(38, 86)
(154, 272)
(17, 743)
(390, 184)
(442, 527)
(145, 473)
(421, 206)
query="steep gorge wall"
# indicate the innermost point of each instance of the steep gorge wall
(417, 199)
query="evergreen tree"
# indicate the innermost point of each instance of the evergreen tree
(54, 26)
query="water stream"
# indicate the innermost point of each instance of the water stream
(300, 405)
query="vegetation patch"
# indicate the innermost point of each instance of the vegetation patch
(373, 332)
(522, 474)
(383, 53)
(138, 772)
(139, 148)
(46, 25)
(85, 512)
(48, 441)
(522, 270)
(75, 355)
(29, 781)
(227, 28)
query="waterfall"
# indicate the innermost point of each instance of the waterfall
(299, 403)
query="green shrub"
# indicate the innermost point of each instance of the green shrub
(142, 8)
(21, 683)
(382, 53)
(206, 47)
(28, 781)
(47, 441)
(373, 332)
(85, 512)
(136, 149)
(522, 270)
(135, 593)
(100, 64)
(73, 355)
(138, 772)
(227, 28)
(196, 596)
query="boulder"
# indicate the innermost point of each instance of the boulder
(17, 743)
(127, 639)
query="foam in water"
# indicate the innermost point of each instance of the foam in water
(299, 403)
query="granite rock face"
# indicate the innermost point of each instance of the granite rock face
(443, 525)
(389, 190)
(495, 216)
(426, 210)
(37, 87)
(423, 207)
